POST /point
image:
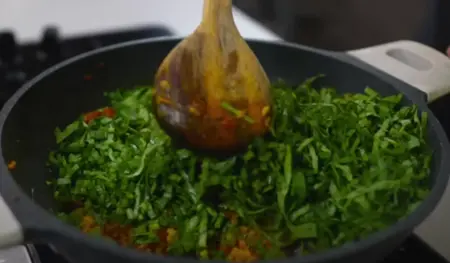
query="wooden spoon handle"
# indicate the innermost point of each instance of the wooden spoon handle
(214, 5)
(217, 13)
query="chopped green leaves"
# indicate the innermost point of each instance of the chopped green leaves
(62, 135)
(334, 169)
(237, 113)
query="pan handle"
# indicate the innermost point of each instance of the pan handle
(416, 64)
(11, 232)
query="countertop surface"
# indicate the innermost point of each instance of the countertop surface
(27, 18)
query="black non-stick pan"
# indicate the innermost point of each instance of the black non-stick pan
(60, 94)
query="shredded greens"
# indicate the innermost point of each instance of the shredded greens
(334, 169)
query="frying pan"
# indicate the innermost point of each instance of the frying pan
(61, 93)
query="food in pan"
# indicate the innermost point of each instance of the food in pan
(333, 169)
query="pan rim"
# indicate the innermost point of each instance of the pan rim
(405, 225)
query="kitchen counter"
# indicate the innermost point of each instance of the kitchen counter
(27, 18)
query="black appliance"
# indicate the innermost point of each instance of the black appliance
(353, 24)
(20, 62)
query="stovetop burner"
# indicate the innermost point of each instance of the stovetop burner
(19, 63)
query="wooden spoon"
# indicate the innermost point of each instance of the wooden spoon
(211, 92)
